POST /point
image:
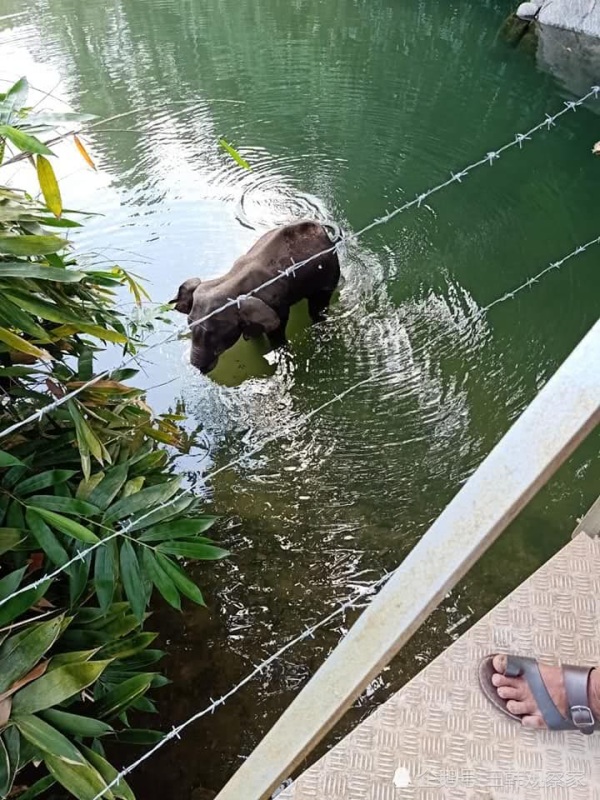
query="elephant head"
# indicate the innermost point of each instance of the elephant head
(212, 335)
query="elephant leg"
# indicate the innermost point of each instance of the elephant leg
(277, 337)
(317, 303)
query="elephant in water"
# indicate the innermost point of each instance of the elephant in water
(268, 310)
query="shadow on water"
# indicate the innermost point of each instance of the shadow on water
(344, 109)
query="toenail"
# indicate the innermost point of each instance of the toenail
(496, 679)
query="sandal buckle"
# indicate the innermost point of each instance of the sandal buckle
(583, 719)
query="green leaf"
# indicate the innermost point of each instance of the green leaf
(197, 550)
(56, 686)
(12, 609)
(66, 525)
(75, 724)
(8, 460)
(48, 739)
(132, 579)
(170, 511)
(64, 505)
(44, 309)
(234, 154)
(120, 698)
(80, 780)
(38, 788)
(45, 479)
(109, 487)
(5, 770)
(178, 529)
(19, 269)
(30, 245)
(16, 96)
(139, 736)
(86, 438)
(10, 538)
(105, 574)
(21, 320)
(180, 579)
(79, 573)
(22, 651)
(46, 538)
(142, 501)
(24, 141)
(109, 773)
(12, 742)
(49, 185)
(127, 647)
(22, 345)
(161, 580)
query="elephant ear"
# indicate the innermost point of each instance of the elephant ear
(256, 315)
(185, 295)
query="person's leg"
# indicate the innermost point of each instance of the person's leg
(521, 700)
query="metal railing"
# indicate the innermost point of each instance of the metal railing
(545, 435)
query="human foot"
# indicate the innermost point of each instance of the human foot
(562, 698)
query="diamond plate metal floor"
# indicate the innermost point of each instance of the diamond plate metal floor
(438, 737)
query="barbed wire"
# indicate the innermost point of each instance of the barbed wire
(175, 733)
(490, 158)
(300, 421)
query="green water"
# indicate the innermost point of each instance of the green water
(344, 108)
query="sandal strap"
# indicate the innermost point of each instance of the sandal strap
(528, 667)
(576, 684)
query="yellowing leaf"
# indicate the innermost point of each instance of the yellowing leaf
(49, 185)
(83, 152)
(22, 345)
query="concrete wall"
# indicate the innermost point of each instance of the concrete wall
(582, 16)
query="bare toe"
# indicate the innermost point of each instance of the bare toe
(501, 680)
(499, 662)
(533, 722)
(510, 693)
(520, 707)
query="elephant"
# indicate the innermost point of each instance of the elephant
(267, 309)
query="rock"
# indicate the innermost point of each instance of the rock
(527, 11)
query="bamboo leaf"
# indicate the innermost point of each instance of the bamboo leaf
(24, 141)
(109, 487)
(160, 579)
(109, 773)
(5, 770)
(46, 538)
(8, 460)
(234, 154)
(22, 651)
(142, 501)
(105, 574)
(66, 525)
(197, 550)
(56, 686)
(180, 579)
(45, 479)
(10, 538)
(38, 788)
(75, 724)
(83, 152)
(178, 529)
(48, 739)
(30, 245)
(12, 742)
(64, 505)
(80, 780)
(22, 345)
(132, 579)
(120, 697)
(49, 185)
(18, 269)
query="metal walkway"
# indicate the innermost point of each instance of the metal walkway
(438, 737)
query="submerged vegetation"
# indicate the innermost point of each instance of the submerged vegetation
(75, 656)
